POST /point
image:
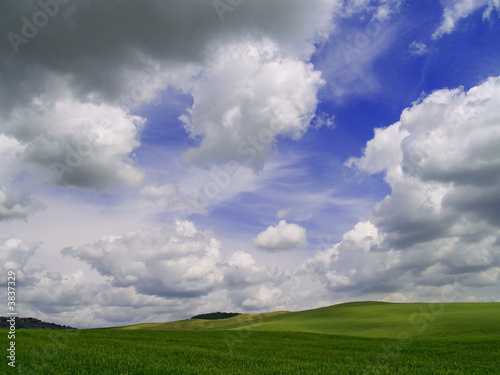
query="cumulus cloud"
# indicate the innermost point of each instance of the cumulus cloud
(447, 158)
(79, 144)
(67, 95)
(382, 152)
(440, 223)
(14, 256)
(242, 271)
(64, 90)
(143, 36)
(258, 85)
(362, 239)
(15, 202)
(147, 275)
(262, 298)
(80, 300)
(251, 95)
(281, 237)
(168, 262)
(14, 205)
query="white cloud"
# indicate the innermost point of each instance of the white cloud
(418, 48)
(242, 274)
(354, 247)
(492, 5)
(241, 259)
(382, 152)
(262, 298)
(15, 202)
(71, 91)
(14, 205)
(439, 224)
(282, 213)
(14, 255)
(380, 9)
(185, 228)
(77, 144)
(457, 10)
(55, 97)
(252, 94)
(157, 192)
(281, 237)
(159, 274)
(166, 262)
(112, 69)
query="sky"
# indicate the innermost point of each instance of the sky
(162, 159)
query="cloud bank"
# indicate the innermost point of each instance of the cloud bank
(440, 222)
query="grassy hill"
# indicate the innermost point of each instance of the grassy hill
(362, 319)
(352, 338)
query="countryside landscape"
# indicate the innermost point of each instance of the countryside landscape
(250, 187)
(350, 338)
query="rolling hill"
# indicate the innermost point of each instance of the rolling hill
(362, 319)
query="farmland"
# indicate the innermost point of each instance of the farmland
(460, 339)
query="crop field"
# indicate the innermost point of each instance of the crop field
(254, 348)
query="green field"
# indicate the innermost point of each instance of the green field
(357, 338)
(364, 319)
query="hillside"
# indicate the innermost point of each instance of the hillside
(235, 322)
(363, 319)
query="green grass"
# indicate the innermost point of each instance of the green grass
(206, 324)
(252, 352)
(355, 338)
(364, 319)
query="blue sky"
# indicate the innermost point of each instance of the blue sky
(275, 156)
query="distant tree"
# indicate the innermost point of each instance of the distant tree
(31, 323)
(215, 315)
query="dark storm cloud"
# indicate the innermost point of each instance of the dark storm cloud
(98, 44)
